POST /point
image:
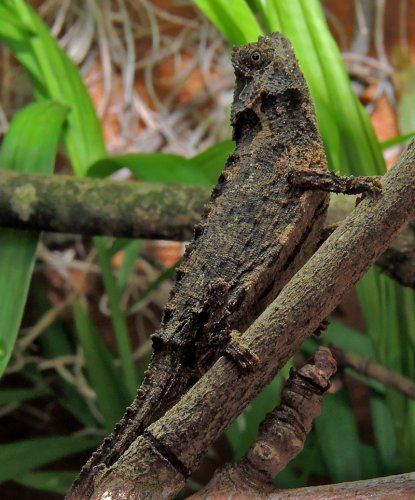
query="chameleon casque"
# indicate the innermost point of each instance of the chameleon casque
(258, 229)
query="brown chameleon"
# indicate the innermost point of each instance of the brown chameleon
(260, 226)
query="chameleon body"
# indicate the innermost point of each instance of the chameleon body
(257, 231)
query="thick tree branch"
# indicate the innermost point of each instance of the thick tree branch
(400, 487)
(95, 207)
(66, 204)
(158, 462)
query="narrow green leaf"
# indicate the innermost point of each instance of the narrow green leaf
(118, 317)
(112, 395)
(404, 79)
(57, 341)
(29, 146)
(385, 434)
(234, 19)
(23, 456)
(371, 466)
(151, 167)
(243, 430)
(399, 139)
(31, 141)
(54, 76)
(212, 161)
(8, 396)
(338, 438)
(349, 339)
(55, 481)
(130, 255)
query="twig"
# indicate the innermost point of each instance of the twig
(157, 463)
(94, 207)
(282, 434)
(368, 368)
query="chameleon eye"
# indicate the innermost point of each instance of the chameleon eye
(256, 57)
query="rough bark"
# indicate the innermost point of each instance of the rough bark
(183, 434)
(257, 231)
(92, 207)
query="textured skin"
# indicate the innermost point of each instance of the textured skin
(257, 231)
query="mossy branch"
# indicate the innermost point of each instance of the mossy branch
(92, 207)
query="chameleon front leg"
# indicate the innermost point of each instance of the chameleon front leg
(240, 354)
(334, 183)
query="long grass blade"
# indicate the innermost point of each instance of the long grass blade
(29, 146)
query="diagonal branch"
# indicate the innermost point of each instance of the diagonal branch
(157, 463)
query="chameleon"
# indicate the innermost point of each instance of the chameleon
(261, 225)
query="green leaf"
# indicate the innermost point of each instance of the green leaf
(57, 341)
(234, 19)
(11, 26)
(118, 317)
(29, 146)
(212, 161)
(349, 339)
(242, 432)
(404, 79)
(384, 434)
(338, 439)
(8, 396)
(31, 142)
(151, 167)
(54, 481)
(371, 466)
(111, 392)
(22, 456)
(203, 168)
(399, 139)
(54, 76)
(130, 255)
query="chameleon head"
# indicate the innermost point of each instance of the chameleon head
(267, 66)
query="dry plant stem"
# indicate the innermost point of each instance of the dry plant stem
(99, 207)
(282, 434)
(369, 368)
(94, 207)
(173, 446)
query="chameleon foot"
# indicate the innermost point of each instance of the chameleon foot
(245, 359)
(334, 183)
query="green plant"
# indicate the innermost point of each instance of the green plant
(64, 112)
